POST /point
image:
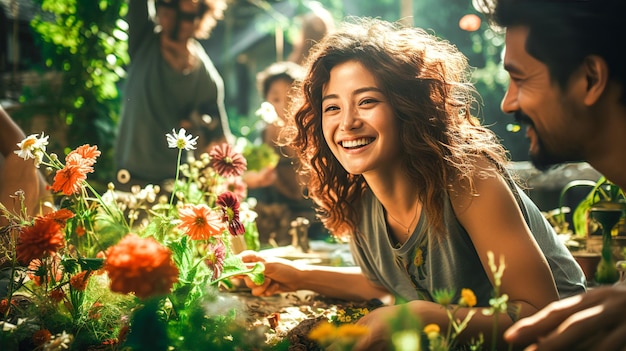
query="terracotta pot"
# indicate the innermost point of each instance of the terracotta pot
(588, 261)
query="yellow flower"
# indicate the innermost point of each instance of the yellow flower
(467, 298)
(351, 331)
(323, 332)
(431, 328)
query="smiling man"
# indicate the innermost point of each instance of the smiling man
(567, 88)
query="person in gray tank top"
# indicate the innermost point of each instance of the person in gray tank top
(397, 164)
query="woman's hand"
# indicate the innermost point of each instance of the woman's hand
(379, 335)
(259, 179)
(280, 275)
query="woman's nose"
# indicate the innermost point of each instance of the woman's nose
(349, 119)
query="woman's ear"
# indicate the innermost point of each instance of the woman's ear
(597, 74)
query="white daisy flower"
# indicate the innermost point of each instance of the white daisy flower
(267, 112)
(180, 140)
(32, 145)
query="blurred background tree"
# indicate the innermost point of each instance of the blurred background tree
(84, 41)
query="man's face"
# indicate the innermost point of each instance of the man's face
(188, 18)
(551, 114)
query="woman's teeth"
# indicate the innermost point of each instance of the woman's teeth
(349, 144)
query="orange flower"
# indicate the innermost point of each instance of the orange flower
(87, 153)
(61, 216)
(44, 237)
(199, 221)
(142, 266)
(79, 280)
(70, 178)
(41, 337)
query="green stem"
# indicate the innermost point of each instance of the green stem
(494, 335)
(232, 274)
(180, 152)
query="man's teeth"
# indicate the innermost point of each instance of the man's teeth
(356, 143)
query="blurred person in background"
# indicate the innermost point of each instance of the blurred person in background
(171, 84)
(281, 195)
(314, 25)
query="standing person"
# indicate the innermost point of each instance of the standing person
(397, 164)
(567, 86)
(314, 25)
(171, 83)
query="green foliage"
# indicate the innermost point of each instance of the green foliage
(260, 156)
(86, 43)
(604, 191)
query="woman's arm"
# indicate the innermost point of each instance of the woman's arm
(495, 223)
(281, 275)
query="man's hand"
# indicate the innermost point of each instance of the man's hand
(595, 320)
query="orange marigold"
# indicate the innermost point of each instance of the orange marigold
(44, 237)
(200, 221)
(142, 266)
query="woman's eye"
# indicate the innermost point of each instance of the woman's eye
(368, 101)
(330, 108)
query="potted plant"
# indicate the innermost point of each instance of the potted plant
(601, 209)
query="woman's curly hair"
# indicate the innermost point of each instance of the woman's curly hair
(426, 81)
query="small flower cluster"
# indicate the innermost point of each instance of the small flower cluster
(341, 337)
(89, 275)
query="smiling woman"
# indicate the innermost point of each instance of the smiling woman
(398, 166)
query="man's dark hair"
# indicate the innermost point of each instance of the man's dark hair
(562, 33)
